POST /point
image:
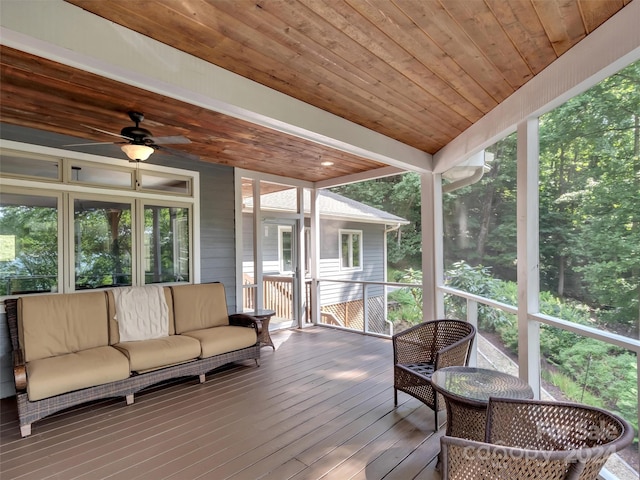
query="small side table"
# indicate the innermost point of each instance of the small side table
(466, 392)
(264, 316)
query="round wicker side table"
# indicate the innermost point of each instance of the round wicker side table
(466, 391)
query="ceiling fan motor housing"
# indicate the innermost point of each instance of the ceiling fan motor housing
(138, 135)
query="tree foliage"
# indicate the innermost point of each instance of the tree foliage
(589, 214)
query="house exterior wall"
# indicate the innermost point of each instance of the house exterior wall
(331, 293)
(373, 261)
(373, 267)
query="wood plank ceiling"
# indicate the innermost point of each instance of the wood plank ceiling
(418, 71)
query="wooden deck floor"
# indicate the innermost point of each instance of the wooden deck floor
(320, 406)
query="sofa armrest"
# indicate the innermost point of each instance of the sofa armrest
(19, 370)
(244, 320)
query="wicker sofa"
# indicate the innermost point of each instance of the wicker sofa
(67, 348)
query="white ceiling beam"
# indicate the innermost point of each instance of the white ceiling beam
(64, 33)
(609, 48)
(359, 177)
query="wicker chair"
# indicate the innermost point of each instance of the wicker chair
(424, 348)
(533, 439)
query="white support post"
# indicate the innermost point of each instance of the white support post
(314, 263)
(528, 254)
(257, 246)
(299, 291)
(239, 241)
(432, 271)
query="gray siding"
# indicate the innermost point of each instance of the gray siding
(373, 262)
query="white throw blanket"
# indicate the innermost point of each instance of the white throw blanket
(141, 312)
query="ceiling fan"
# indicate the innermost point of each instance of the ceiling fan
(140, 142)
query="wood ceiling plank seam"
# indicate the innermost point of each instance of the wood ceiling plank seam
(594, 14)
(398, 26)
(306, 49)
(439, 104)
(444, 31)
(484, 29)
(522, 24)
(348, 95)
(552, 17)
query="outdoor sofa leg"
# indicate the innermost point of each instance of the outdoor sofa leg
(395, 397)
(129, 399)
(202, 377)
(25, 430)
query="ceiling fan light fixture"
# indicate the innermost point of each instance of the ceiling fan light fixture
(137, 153)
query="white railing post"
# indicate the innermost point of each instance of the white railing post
(365, 309)
(472, 318)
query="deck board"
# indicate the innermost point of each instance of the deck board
(320, 406)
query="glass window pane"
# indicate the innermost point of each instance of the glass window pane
(166, 244)
(345, 250)
(22, 166)
(355, 244)
(28, 244)
(162, 183)
(286, 265)
(102, 239)
(99, 175)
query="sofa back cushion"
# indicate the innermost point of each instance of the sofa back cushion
(199, 306)
(114, 333)
(52, 325)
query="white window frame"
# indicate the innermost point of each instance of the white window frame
(67, 191)
(351, 233)
(281, 230)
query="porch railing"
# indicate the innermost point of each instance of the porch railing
(277, 296)
(361, 306)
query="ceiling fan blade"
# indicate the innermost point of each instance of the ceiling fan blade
(107, 132)
(177, 153)
(172, 140)
(85, 144)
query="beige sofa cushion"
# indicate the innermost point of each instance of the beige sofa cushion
(65, 373)
(159, 352)
(51, 325)
(223, 339)
(114, 333)
(199, 306)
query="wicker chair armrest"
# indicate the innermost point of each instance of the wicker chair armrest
(463, 459)
(244, 320)
(19, 370)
